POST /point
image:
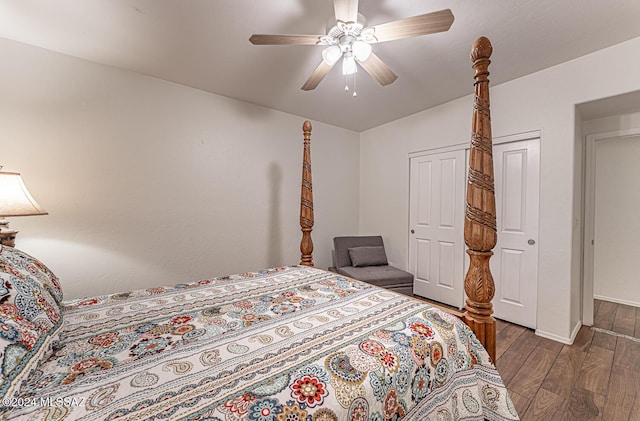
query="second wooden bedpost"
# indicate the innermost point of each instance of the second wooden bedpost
(480, 217)
(306, 200)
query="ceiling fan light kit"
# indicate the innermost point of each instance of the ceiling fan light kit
(350, 39)
(331, 55)
(361, 50)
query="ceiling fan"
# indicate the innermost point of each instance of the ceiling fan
(350, 39)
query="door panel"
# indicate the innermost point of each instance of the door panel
(514, 167)
(511, 268)
(447, 264)
(448, 192)
(424, 193)
(436, 247)
(424, 262)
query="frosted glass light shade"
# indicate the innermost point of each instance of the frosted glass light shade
(15, 199)
(361, 50)
(331, 55)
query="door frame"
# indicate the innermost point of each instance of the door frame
(516, 137)
(590, 213)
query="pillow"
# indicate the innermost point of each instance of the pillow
(367, 256)
(36, 269)
(18, 286)
(30, 317)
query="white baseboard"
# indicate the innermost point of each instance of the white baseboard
(561, 339)
(616, 300)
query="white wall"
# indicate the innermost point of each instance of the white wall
(542, 101)
(617, 198)
(625, 121)
(617, 229)
(149, 183)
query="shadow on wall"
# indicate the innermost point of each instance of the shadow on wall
(274, 234)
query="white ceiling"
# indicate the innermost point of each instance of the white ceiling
(204, 44)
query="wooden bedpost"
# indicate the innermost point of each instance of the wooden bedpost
(480, 217)
(306, 200)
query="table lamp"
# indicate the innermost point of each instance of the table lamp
(15, 200)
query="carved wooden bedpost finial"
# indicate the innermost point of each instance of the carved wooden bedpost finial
(480, 217)
(306, 200)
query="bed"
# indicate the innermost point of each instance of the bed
(286, 343)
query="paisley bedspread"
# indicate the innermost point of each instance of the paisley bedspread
(292, 343)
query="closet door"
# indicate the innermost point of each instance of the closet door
(514, 265)
(436, 218)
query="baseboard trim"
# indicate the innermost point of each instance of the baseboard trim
(561, 339)
(616, 300)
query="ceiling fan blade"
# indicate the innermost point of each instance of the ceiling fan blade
(346, 10)
(258, 39)
(429, 23)
(316, 76)
(378, 70)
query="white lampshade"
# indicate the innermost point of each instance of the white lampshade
(361, 50)
(331, 55)
(15, 199)
(349, 66)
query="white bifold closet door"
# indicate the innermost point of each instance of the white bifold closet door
(436, 217)
(437, 255)
(514, 265)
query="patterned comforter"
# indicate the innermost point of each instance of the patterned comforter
(291, 343)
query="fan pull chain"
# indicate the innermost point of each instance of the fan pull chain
(346, 84)
(355, 94)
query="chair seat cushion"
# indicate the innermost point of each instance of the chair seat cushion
(383, 276)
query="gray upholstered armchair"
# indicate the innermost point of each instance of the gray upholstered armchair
(364, 258)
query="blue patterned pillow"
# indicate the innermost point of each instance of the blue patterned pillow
(30, 319)
(35, 268)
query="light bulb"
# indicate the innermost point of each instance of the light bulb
(361, 50)
(349, 66)
(331, 55)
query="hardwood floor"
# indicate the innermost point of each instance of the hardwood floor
(596, 378)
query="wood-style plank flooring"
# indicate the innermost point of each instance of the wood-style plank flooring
(596, 378)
